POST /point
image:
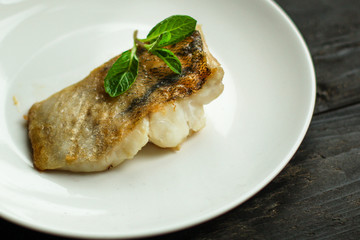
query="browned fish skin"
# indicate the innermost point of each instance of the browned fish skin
(85, 123)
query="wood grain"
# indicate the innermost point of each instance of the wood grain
(331, 29)
(317, 195)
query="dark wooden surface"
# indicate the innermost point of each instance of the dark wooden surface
(317, 195)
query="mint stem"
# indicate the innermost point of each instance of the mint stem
(138, 41)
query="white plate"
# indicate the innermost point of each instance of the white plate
(252, 131)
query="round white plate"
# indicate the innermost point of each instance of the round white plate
(253, 128)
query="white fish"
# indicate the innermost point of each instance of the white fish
(82, 129)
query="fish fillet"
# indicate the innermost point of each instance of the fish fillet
(82, 129)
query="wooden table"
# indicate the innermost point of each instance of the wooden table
(317, 195)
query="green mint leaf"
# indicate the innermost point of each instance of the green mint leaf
(178, 26)
(163, 40)
(169, 58)
(122, 74)
(159, 42)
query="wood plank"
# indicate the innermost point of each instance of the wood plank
(332, 31)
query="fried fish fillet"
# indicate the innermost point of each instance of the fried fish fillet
(82, 129)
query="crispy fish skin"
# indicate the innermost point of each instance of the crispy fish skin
(81, 128)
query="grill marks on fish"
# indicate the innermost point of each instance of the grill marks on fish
(172, 86)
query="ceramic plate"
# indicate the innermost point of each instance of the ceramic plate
(253, 129)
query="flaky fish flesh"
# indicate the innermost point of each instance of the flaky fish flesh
(83, 129)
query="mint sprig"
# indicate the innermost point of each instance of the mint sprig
(171, 30)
